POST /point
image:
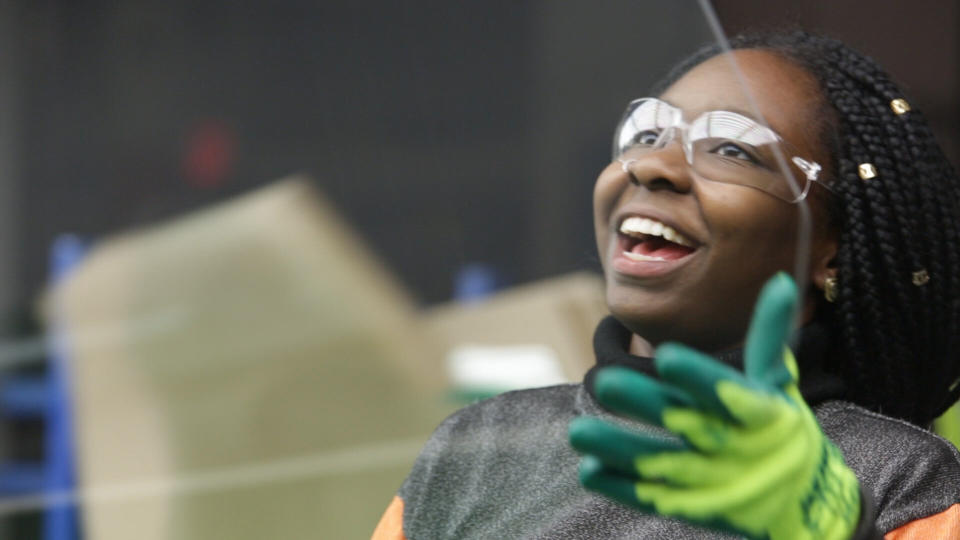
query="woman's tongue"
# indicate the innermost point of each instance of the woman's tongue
(655, 246)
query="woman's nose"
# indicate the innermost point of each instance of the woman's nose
(664, 168)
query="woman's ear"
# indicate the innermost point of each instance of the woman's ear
(822, 267)
(823, 262)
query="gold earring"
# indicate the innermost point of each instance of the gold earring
(830, 289)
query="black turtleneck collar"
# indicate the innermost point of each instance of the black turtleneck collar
(611, 343)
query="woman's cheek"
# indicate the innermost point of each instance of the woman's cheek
(746, 216)
(606, 194)
(607, 188)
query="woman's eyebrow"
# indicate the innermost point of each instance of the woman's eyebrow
(749, 114)
(742, 112)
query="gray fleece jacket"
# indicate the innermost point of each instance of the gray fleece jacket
(503, 468)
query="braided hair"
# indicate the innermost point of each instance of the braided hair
(898, 259)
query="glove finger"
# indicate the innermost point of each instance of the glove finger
(650, 497)
(635, 395)
(704, 506)
(752, 408)
(595, 477)
(698, 375)
(617, 448)
(683, 469)
(707, 433)
(769, 330)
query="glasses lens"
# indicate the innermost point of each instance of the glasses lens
(729, 147)
(726, 146)
(645, 126)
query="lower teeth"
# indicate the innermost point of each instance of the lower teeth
(638, 257)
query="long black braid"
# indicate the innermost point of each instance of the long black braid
(898, 260)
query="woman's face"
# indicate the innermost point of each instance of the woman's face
(740, 236)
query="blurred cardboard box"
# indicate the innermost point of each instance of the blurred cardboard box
(534, 325)
(248, 371)
(251, 371)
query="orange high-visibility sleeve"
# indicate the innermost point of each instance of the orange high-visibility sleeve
(944, 525)
(391, 524)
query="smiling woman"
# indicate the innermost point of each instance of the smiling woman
(740, 234)
(692, 218)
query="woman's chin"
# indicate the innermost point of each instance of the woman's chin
(653, 328)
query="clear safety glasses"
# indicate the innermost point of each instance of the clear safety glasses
(721, 146)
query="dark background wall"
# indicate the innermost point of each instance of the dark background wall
(446, 132)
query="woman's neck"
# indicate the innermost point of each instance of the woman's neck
(640, 346)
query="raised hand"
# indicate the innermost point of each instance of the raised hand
(750, 458)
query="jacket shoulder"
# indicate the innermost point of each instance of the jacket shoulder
(483, 452)
(911, 472)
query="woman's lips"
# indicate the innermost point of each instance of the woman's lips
(639, 227)
(648, 255)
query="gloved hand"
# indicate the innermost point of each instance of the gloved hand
(751, 458)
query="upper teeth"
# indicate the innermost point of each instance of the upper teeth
(637, 225)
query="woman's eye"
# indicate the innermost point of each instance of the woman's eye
(648, 137)
(731, 150)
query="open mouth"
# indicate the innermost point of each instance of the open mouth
(647, 240)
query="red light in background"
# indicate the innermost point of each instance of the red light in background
(209, 154)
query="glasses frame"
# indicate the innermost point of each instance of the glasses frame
(811, 169)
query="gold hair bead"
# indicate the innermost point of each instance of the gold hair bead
(900, 106)
(867, 171)
(921, 277)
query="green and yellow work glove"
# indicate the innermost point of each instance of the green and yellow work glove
(750, 458)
